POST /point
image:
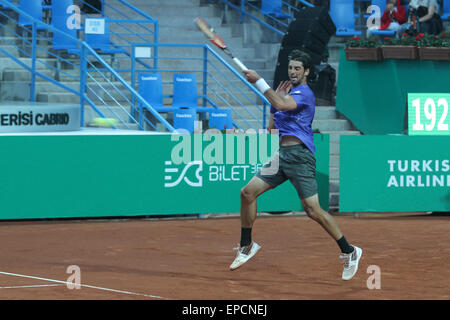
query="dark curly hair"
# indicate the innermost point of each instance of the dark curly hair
(302, 57)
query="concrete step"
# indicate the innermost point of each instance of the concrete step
(326, 112)
(24, 75)
(334, 147)
(167, 12)
(166, 4)
(248, 123)
(268, 51)
(182, 23)
(334, 199)
(69, 75)
(335, 135)
(331, 125)
(334, 160)
(12, 39)
(334, 185)
(7, 63)
(18, 51)
(334, 173)
(60, 97)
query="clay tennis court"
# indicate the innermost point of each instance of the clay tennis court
(189, 258)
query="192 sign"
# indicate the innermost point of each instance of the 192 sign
(428, 113)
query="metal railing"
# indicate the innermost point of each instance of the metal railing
(131, 25)
(78, 76)
(270, 22)
(219, 85)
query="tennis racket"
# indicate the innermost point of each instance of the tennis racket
(217, 40)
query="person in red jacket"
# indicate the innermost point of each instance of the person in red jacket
(393, 17)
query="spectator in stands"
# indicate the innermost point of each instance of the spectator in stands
(393, 18)
(423, 16)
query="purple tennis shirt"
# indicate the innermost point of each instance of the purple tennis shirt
(298, 122)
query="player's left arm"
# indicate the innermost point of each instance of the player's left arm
(277, 100)
(280, 103)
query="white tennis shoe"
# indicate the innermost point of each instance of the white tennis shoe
(244, 254)
(350, 262)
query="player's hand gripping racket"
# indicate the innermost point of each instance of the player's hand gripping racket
(217, 40)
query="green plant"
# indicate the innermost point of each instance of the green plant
(428, 40)
(357, 42)
(403, 40)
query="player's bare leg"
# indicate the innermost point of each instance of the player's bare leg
(312, 208)
(254, 188)
(350, 254)
(247, 248)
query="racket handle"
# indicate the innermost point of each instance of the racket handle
(240, 64)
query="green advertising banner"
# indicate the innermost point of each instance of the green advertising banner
(394, 174)
(428, 114)
(59, 176)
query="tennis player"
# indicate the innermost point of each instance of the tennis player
(292, 113)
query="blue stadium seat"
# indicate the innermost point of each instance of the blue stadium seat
(274, 8)
(59, 7)
(184, 119)
(34, 9)
(61, 42)
(220, 119)
(342, 14)
(383, 33)
(184, 90)
(151, 89)
(446, 10)
(102, 41)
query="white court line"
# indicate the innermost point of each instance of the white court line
(33, 286)
(82, 285)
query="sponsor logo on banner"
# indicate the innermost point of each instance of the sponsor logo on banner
(418, 173)
(219, 158)
(172, 171)
(177, 174)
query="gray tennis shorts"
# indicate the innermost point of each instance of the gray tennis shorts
(296, 163)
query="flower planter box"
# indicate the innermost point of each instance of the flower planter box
(400, 52)
(362, 54)
(434, 53)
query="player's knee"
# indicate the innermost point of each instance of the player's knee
(247, 195)
(313, 212)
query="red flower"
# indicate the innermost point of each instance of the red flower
(417, 38)
(357, 38)
(443, 35)
(404, 34)
(387, 39)
(421, 35)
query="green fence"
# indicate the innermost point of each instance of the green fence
(60, 176)
(373, 95)
(394, 174)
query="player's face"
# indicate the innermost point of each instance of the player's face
(297, 74)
